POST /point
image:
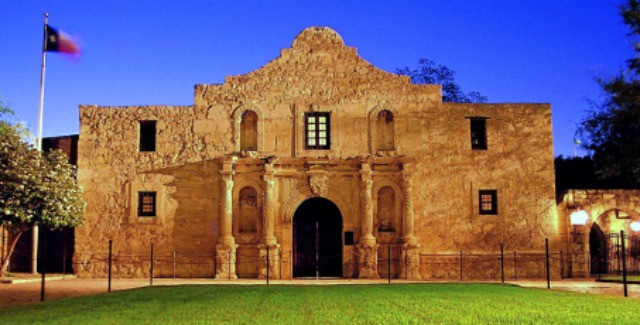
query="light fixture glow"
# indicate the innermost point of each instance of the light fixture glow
(580, 217)
(635, 226)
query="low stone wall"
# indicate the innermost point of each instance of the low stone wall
(165, 265)
(468, 266)
(444, 266)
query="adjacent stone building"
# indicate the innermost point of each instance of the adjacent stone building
(324, 163)
(593, 223)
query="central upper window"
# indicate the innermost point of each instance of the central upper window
(317, 130)
(478, 133)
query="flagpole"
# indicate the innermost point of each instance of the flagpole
(42, 72)
(34, 234)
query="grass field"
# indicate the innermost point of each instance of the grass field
(371, 304)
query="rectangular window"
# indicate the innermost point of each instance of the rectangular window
(317, 130)
(488, 202)
(478, 133)
(146, 204)
(147, 136)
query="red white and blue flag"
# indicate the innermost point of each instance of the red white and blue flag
(58, 41)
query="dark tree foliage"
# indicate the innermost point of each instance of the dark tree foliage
(578, 173)
(611, 131)
(428, 72)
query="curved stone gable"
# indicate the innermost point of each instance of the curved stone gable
(317, 68)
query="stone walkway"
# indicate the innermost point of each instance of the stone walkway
(29, 293)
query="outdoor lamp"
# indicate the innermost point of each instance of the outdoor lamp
(580, 217)
(635, 226)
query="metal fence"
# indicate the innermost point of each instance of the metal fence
(251, 262)
(614, 255)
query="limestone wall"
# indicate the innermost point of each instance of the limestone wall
(317, 74)
(111, 171)
(610, 211)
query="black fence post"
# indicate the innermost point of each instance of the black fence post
(151, 269)
(110, 261)
(502, 261)
(460, 265)
(267, 264)
(546, 244)
(389, 264)
(64, 259)
(561, 265)
(43, 263)
(624, 264)
(515, 265)
(406, 263)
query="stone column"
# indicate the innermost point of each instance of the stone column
(579, 253)
(367, 248)
(269, 241)
(226, 247)
(408, 221)
(410, 255)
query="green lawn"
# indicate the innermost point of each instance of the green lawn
(348, 304)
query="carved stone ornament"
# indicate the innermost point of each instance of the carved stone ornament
(318, 185)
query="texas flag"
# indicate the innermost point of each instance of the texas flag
(58, 41)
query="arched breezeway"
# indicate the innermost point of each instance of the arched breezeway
(594, 222)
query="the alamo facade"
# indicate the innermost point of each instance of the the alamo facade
(324, 163)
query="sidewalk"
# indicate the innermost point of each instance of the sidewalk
(28, 293)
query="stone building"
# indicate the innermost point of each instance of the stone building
(326, 164)
(593, 222)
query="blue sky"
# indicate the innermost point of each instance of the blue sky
(153, 52)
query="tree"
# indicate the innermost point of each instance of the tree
(6, 115)
(35, 189)
(578, 173)
(611, 131)
(428, 72)
(5, 112)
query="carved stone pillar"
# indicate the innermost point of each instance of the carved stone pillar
(410, 262)
(269, 241)
(273, 260)
(367, 248)
(408, 235)
(269, 237)
(410, 254)
(226, 247)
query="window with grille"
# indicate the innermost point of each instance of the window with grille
(488, 202)
(146, 204)
(317, 130)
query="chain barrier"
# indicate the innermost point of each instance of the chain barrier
(248, 262)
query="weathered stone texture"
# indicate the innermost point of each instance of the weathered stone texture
(610, 211)
(431, 147)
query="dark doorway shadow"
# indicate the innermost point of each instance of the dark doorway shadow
(598, 250)
(317, 239)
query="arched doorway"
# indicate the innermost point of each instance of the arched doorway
(317, 239)
(598, 250)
